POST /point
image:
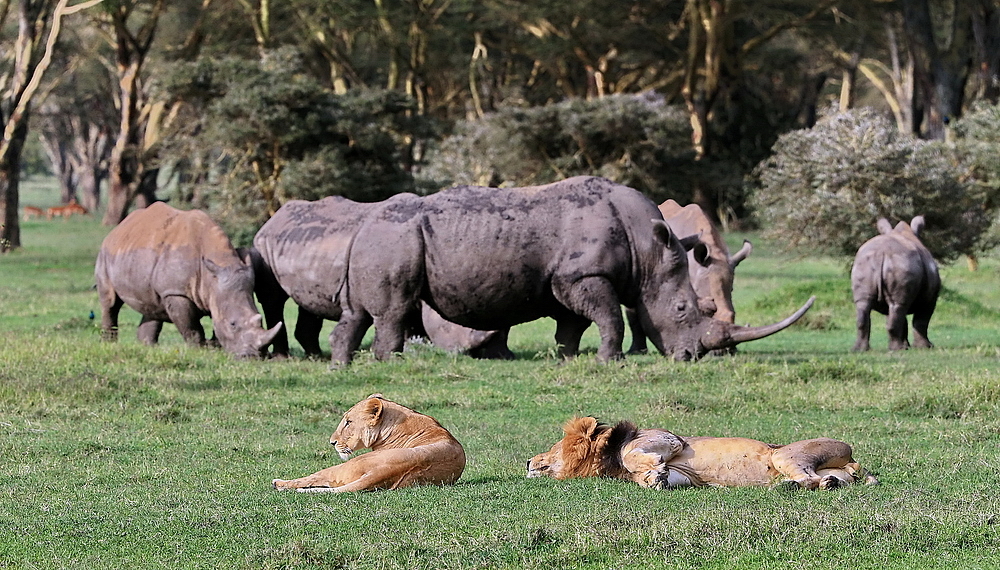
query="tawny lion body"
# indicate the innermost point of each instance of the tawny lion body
(660, 459)
(407, 449)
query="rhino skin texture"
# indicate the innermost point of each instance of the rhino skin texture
(489, 258)
(178, 266)
(710, 266)
(301, 253)
(894, 274)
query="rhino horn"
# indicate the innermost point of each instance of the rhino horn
(736, 334)
(268, 336)
(741, 254)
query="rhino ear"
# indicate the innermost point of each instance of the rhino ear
(244, 253)
(691, 241)
(212, 267)
(883, 226)
(917, 225)
(662, 231)
(702, 254)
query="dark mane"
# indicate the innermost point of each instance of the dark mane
(611, 458)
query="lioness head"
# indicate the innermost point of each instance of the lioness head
(577, 454)
(359, 426)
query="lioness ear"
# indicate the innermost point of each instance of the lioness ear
(373, 408)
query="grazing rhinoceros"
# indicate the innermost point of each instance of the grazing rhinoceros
(709, 264)
(489, 258)
(896, 275)
(175, 266)
(301, 252)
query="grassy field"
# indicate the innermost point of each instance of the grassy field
(119, 455)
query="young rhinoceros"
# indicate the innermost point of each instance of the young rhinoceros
(896, 275)
(176, 266)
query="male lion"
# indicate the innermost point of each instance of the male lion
(407, 449)
(658, 459)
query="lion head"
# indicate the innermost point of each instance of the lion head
(359, 426)
(582, 452)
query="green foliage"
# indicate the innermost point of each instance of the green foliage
(265, 133)
(824, 188)
(635, 140)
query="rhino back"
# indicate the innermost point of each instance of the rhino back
(157, 252)
(894, 268)
(491, 254)
(306, 244)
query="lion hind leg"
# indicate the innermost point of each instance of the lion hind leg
(800, 461)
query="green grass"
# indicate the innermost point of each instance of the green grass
(119, 455)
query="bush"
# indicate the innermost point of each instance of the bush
(256, 134)
(635, 140)
(824, 188)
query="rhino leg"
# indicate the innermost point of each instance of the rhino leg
(638, 335)
(307, 329)
(187, 318)
(111, 305)
(273, 305)
(921, 320)
(593, 299)
(391, 331)
(148, 332)
(346, 337)
(864, 326)
(895, 324)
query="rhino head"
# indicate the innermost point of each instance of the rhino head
(235, 319)
(677, 322)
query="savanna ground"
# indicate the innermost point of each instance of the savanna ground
(119, 455)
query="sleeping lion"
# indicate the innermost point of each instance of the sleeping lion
(659, 459)
(407, 449)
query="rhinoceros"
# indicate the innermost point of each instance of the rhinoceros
(301, 252)
(178, 266)
(709, 264)
(488, 259)
(894, 274)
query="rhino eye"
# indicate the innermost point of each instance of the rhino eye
(680, 307)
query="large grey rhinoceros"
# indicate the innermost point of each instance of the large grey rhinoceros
(301, 252)
(176, 266)
(490, 258)
(710, 266)
(896, 275)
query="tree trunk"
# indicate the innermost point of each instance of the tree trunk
(125, 165)
(10, 180)
(940, 38)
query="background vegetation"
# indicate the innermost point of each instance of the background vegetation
(236, 106)
(149, 457)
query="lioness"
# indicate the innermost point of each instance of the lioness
(407, 449)
(659, 459)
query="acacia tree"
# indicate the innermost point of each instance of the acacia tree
(29, 58)
(128, 174)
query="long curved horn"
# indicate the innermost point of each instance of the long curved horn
(741, 254)
(738, 334)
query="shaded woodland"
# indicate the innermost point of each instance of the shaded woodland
(236, 106)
